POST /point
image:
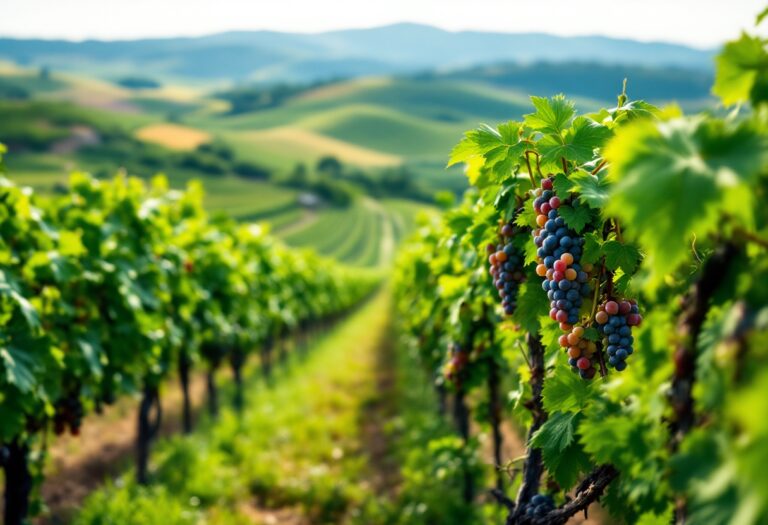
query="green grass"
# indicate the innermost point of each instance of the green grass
(345, 234)
(297, 446)
(30, 82)
(403, 214)
(299, 452)
(241, 197)
(385, 129)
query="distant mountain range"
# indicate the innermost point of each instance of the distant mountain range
(267, 56)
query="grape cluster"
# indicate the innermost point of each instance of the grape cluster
(582, 353)
(457, 362)
(4, 455)
(69, 413)
(506, 268)
(539, 506)
(559, 256)
(615, 320)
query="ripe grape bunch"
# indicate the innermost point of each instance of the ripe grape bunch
(582, 353)
(539, 506)
(506, 268)
(457, 362)
(69, 413)
(615, 320)
(559, 254)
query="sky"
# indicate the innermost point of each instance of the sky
(699, 23)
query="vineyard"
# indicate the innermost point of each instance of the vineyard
(581, 337)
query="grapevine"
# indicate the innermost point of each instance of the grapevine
(640, 194)
(110, 286)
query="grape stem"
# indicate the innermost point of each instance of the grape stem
(538, 158)
(617, 229)
(565, 165)
(599, 167)
(751, 237)
(530, 172)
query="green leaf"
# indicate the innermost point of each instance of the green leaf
(606, 439)
(458, 221)
(464, 151)
(568, 466)
(636, 109)
(593, 248)
(563, 456)
(27, 310)
(618, 255)
(591, 334)
(565, 391)
(593, 189)
(90, 347)
(578, 144)
(532, 304)
(651, 518)
(763, 14)
(575, 217)
(675, 179)
(552, 115)
(564, 185)
(557, 433)
(741, 67)
(500, 149)
(19, 368)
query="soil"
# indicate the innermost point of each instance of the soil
(79, 465)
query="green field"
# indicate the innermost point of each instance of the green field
(369, 124)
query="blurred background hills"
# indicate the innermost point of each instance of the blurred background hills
(337, 139)
(268, 56)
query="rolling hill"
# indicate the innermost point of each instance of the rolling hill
(267, 56)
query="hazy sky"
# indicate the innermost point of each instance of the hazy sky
(695, 22)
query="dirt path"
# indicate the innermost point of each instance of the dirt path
(380, 410)
(78, 465)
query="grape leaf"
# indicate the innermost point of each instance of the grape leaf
(563, 185)
(562, 454)
(575, 217)
(565, 391)
(606, 439)
(740, 68)
(27, 310)
(498, 149)
(636, 109)
(567, 466)
(557, 433)
(526, 217)
(760, 17)
(531, 254)
(552, 114)
(19, 367)
(652, 518)
(593, 189)
(673, 179)
(532, 304)
(591, 334)
(618, 255)
(592, 250)
(577, 144)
